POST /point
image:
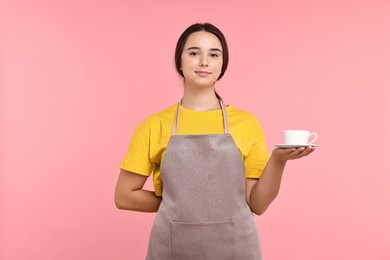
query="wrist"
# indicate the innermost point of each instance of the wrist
(277, 159)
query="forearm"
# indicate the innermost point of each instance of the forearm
(267, 187)
(138, 200)
(265, 190)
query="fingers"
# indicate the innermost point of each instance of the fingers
(306, 151)
(285, 154)
(296, 153)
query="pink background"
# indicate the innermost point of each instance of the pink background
(77, 77)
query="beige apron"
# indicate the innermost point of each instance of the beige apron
(203, 214)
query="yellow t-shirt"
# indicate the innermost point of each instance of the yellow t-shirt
(149, 142)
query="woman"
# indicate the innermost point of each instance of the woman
(206, 159)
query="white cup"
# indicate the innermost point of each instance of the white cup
(298, 137)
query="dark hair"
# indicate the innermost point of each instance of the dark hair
(197, 27)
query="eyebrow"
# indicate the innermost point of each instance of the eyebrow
(197, 48)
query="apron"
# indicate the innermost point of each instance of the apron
(203, 214)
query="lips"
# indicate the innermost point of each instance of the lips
(202, 73)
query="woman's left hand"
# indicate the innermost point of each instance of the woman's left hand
(283, 155)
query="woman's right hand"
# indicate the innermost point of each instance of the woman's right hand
(129, 194)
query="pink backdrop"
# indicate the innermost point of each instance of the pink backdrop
(77, 77)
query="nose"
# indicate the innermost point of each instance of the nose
(204, 61)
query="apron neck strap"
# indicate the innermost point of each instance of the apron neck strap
(224, 113)
(225, 119)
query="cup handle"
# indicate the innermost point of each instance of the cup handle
(315, 137)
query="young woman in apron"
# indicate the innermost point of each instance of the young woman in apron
(207, 185)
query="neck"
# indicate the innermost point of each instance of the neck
(200, 99)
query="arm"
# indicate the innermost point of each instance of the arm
(261, 192)
(129, 194)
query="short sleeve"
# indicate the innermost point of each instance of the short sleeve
(137, 158)
(257, 157)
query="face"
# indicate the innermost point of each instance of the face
(201, 60)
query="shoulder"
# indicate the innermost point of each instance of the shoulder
(243, 117)
(245, 128)
(158, 120)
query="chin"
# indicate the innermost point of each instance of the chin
(205, 85)
(200, 83)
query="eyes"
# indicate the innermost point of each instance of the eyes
(212, 55)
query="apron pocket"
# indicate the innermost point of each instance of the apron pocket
(202, 240)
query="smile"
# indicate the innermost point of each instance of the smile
(202, 73)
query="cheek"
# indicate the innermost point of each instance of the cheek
(219, 69)
(187, 64)
(185, 69)
(219, 66)
(184, 63)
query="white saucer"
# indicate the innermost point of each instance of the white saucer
(295, 145)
